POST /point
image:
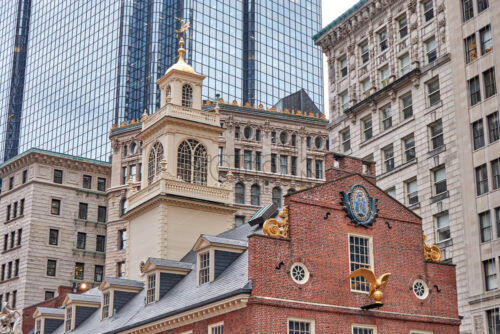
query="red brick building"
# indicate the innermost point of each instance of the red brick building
(290, 276)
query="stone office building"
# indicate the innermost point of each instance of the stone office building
(413, 88)
(53, 227)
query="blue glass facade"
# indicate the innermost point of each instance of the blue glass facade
(93, 63)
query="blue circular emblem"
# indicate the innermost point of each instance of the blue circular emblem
(359, 206)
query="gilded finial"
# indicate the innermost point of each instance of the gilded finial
(184, 27)
(275, 228)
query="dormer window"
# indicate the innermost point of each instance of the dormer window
(150, 297)
(204, 268)
(105, 305)
(68, 320)
(187, 96)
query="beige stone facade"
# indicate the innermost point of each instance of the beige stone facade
(53, 218)
(399, 96)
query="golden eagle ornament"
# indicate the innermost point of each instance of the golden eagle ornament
(375, 283)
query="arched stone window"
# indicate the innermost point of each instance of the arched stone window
(239, 193)
(187, 96)
(192, 162)
(277, 196)
(255, 194)
(155, 158)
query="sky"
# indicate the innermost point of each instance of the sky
(331, 10)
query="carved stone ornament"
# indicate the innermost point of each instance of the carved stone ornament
(10, 320)
(359, 206)
(431, 252)
(142, 265)
(278, 229)
(412, 6)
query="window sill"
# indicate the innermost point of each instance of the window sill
(9, 279)
(88, 252)
(11, 249)
(445, 243)
(436, 151)
(13, 219)
(385, 132)
(439, 197)
(93, 192)
(433, 107)
(414, 206)
(85, 221)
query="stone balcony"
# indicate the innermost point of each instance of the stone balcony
(176, 111)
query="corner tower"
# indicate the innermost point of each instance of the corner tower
(180, 196)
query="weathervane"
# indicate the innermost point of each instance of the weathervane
(184, 27)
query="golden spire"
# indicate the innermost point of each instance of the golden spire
(181, 64)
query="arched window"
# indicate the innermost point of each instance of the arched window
(125, 151)
(187, 96)
(123, 206)
(192, 162)
(155, 158)
(318, 142)
(290, 191)
(133, 148)
(284, 138)
(255, 194)
(239, 193)
(277, 196)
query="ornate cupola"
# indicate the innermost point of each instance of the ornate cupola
(180, 194)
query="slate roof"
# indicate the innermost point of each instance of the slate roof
(225, 241)
(92, 296)
(182, 297)
(124, 282)
(51, 311)
(170, 263)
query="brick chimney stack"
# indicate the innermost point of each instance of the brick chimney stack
(339, 165)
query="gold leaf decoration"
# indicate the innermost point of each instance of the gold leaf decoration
(275, 228)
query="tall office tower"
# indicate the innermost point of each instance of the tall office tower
(71, 69)
(413, 87)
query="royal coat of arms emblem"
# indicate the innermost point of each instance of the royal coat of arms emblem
(359, 206)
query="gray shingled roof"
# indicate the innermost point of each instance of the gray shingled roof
(124, 282)
(184, 296)
(50, 311)
(170, 263)
(225, 241)
(85, 297)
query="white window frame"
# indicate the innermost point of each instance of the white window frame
(312, 322)
(364, 129)
(151, 291)
(72, 313)
(400, 27)
(418, 331)
(428, 50)
(384, 80)
(405, 68)
(429, 93)
(436, 217)
(386, 115)
(215, 326)
(108, 313)
(403, 108)
(344, 141)
(208, 252)
(361, 326)
(344, 105)
(370, 250)
(365, 92)
(382, 39)
(409, 194)
(342, 62)
(362, 53)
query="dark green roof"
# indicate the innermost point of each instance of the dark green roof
(339, 19)
(62, 155)
(126, 128)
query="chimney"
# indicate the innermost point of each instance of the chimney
(339, 165)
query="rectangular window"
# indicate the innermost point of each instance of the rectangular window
(436, 133)
(481, 180)
(485, 39)
(139, 177)
(493, 127)
(367, 128)
(100, 243)
(428, 10)
(87, 181)
(38, 324)
(439, 181)
(345, 139)
(101, 214)
(21, 207)
(55, 207)
(490, 86)
(308, 142)
(53, 237)
(11, 183)
(258, 161)
(150, 295)
(2, 278)
(25, 176)
(101, 184)
(493, 321)
(14, 212)
(14, 298)
(495, 173)
(319, 169)
(221, 156)
(388, 154)
(442, 227)
(8, 212)
(497, 218)
(69, 316)
(433, 93)
(58, 176)
(247, 159)
(133, 173)
(343, 67)
(485, 226)
(294, 140)
(216, 328)
(482, 5)
(105, 305)
(273, 137)
(300, 327)
(19, 236)
(382, 38)
(274, 166)
(79, 270)
(407, 106)
(478, 134)
(9, 270)
(124, 175)
(359, 257)
(430, 47)
(467, 9)
(237, 158)
(411, 192)
(360, 329)
(474, 90)
(122, 239)
(284, 164)
(384, 76)
(12, 239)
(51, 268)
(204, 268)
(309, 168)
(120, 269)
(294, 166)
(364, 52)
(81, 240)
(6, 242)
(257, 135)
(237, 132)
(490, 275)
(470, 48)
(386, 117)
(404, 64)
(49, 295)
(16, 268)
(83, 210)
(403, 26)
(409, 148)
(344, 101)
(239, 220)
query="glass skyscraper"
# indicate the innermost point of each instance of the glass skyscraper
(69, 69)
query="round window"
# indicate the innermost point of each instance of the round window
(299, 273)
(318, 142)
(420, 289)
(284, 138)
(247, 132)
